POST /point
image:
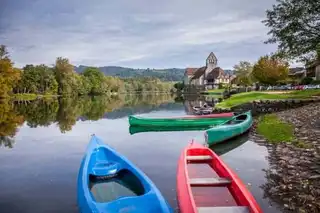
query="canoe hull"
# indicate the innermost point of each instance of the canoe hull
(188, 121)
(189, 201)
(103, 165)
(223, 132)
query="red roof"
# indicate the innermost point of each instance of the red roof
(190, 71)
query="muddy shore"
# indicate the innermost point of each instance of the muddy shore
(294, 173)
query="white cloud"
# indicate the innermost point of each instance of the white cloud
(134, 33)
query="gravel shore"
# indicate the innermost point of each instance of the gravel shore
(294, 173)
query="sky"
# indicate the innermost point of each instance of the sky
(134, 33)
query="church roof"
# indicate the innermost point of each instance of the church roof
(190, 71)
(199, 72)
(212, 55)
(218, 73)
(215, 73)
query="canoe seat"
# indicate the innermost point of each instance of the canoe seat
(209, 181)
(105, 168)
(199, 157)
(224, 209)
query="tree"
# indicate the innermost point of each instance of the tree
(8, 74)
(179, 86)
(84, 85)
(318, 51)
(98, 82)
(270, 70)
(65, 76)
(37, 79)
(243, 72)
(295, 26)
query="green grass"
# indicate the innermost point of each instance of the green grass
(215, 91)
(277, 131)
(246, 97)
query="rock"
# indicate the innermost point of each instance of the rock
(293, 179)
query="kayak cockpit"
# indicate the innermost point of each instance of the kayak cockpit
(237, 120)
(112, 187)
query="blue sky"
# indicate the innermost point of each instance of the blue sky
(134, 33)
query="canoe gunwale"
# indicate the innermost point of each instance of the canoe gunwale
(237, 186)
(240, 127)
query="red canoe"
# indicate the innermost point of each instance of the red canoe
(219, 115)
(205, 184)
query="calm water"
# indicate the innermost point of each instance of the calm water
(42, 143)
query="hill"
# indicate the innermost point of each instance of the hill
(172, 74)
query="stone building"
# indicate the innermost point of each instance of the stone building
(209, 76)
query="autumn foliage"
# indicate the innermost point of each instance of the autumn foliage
(270, 70)
(8, 74)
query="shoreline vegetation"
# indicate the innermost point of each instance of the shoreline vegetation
(247, 97)
(282, 131)
(34, 81)
(293, 141)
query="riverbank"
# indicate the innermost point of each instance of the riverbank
(294, 174)
(246, 97)
(33, 96)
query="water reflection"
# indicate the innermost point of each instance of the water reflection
(51, 159)
(125, 184)
(225, 147)
(138, 129)
(66, 111)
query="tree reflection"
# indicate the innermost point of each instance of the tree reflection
(39, 112)
(9, 123)
(67, 110)
(6, 141)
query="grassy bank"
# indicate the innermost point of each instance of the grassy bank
(246, 97)
(276, 131)
(215, 91)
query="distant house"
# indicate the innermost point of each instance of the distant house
(209, 76)
(297, 73)
(313, 70)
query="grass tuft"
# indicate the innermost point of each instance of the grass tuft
(275, 130)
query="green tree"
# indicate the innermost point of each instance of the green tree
(295, 26)
(318, 51)
(270, 70)
(37, 79)
(84, 85)
(65, 76)
(8, 74)
(243, 72)
(179, 86)
(98, 82)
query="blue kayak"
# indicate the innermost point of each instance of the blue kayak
(110, 183)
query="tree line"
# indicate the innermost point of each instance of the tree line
(268, 70)
(61, 79)
(295, 28)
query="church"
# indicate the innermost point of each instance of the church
(209, 76)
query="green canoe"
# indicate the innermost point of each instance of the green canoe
(234, 127)
(188, 121)
(138, 129)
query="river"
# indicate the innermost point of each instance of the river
(42, 143)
